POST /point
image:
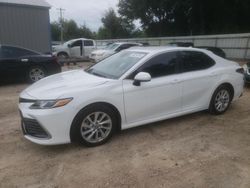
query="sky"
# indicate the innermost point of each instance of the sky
(88, 12)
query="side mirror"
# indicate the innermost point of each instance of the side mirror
(118, 49)
(141, 77)
(69, 45)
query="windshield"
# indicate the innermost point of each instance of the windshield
(115, 66)
(68, 42)
(112, 46)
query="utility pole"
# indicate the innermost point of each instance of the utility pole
(61, 22)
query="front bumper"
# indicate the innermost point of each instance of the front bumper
(46, 127)
(95, 58)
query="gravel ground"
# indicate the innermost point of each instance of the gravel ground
(197, 150)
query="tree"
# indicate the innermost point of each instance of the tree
(55, 31)
(185, 17)
(158, 18)
(85, 32)
(114, 26)
(70, 30)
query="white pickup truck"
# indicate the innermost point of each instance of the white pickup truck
(76, 48)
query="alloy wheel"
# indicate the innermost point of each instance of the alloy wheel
(36, 74)
(96, 127)
(222, 100)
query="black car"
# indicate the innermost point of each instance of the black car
(16, 62)
(247, 72)
(181, 44)
(217, 51)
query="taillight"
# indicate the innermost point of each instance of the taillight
(55, 60)
(240, 70)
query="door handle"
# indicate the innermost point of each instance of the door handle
(24, 60)
(212, 74)
(176, 81)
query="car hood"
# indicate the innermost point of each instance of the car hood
(59, 85)
(58, 47)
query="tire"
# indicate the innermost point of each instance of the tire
(36, 73)
(62, 55)
(85, 130)
(221, 100)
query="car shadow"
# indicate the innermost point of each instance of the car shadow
(121, 135)
(12, 81)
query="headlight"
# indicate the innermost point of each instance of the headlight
(53, 49)
(48, 104)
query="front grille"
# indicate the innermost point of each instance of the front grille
(33, 128)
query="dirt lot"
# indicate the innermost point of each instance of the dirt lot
(197, 150)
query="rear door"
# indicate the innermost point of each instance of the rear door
(89, 46)
(198, 78)
(14, 60)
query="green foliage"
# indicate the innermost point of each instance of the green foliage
(55, 31)
(164, 18)
(114, 26)
(70, 31)
(185, 17)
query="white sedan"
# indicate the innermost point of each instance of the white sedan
(111, 49)
(134, 87)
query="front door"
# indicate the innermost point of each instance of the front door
(76, 49)
(159, 97)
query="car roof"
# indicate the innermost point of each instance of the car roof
(126, 43)
(79, 39)
(155, 50)
(14, 46)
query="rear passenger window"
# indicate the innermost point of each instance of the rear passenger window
(15, 52)
(88, 43)
(193, 61)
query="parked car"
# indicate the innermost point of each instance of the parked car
(111, 49)
(247, 72)
(76, 48)
(145, 43)
(181, 44)
(131, 88)
(17, 62)
(215, 50)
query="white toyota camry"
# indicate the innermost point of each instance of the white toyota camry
(132, 88)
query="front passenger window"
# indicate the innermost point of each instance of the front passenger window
(76, 43)
(161, 65)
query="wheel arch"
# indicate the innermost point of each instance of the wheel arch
(227, 84)
(115, 109)
(62, 52)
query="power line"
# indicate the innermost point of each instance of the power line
(61, 22)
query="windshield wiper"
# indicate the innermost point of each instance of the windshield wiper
(97, 74)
